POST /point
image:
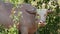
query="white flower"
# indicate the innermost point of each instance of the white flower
(14, 12)
(54, 17)
(49, 3)
(59, 7)
(48, 6)
(43, 5)
(20, 12)
(34, 3)
(55, 5)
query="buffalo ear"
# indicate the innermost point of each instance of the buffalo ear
(49, 11)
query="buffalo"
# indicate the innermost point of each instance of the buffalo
(28, 22)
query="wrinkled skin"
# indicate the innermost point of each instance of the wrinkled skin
(27, 24)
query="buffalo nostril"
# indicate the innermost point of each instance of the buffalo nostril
(40, 22)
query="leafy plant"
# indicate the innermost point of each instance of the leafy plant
(52, 19)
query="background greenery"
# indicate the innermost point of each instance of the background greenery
(52, 20)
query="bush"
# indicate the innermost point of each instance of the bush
(53, 19)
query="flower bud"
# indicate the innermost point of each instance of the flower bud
(43, 5)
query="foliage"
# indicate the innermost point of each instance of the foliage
(53, 19)
(11, 30)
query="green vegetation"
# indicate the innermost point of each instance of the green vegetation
(53, 19)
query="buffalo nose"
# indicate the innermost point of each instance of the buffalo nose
(42, 23)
